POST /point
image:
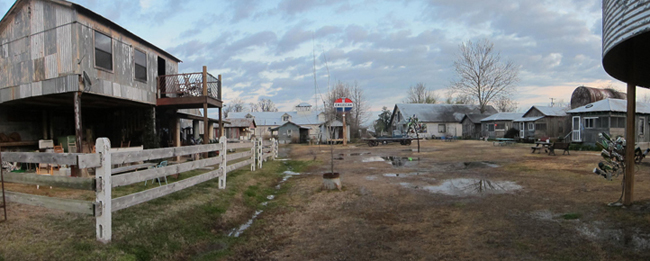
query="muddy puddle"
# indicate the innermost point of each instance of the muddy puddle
(401, 175)
(372, 159)
(468, 187)
(236, 232)
(623, 237)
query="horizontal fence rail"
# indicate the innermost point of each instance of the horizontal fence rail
(47, 180)
(69, 205)
(83, 161)
(149, 174)
(153, 154)
(104, 181)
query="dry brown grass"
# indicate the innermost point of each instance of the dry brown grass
(378, 219)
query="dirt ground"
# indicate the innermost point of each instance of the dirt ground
(461, 200)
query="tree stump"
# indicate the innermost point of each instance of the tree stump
(331, 181)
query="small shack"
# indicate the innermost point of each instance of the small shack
(239, 129)
(607, 116)
(291, 133)
(472, 125)
(543, 121)
(496, 126)
(332, 131)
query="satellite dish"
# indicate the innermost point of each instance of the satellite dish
(87, 82)
(589, 106)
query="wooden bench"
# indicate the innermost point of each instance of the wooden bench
(559, 145)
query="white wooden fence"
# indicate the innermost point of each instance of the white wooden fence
(103, 162)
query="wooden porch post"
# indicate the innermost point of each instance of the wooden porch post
(78, 128)
(177, 135)
(206, 128)
(630, 132)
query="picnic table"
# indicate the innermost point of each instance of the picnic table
(503, 141)
(539, 145)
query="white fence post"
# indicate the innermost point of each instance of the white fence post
(253, 157)
(274, 147)
(224, 165)
(103, 211)
(260, 150)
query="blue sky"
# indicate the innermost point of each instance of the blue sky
(264, 49)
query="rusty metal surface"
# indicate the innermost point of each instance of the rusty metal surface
(584, 95)
(188, 85)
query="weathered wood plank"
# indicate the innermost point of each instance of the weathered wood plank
(47, 180)
(242, 145)
(144, 155)
(86, 161)
(132, 167)
(147, 195)
(69, 205)
(41, 157)
(140, 176)
(236, 156)
(238, 165)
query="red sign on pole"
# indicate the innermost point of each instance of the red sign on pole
(343, 104)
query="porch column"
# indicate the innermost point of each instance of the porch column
(211, 130)
(206, 127)
(195, 129)
(44, 124)
(177, 134)
(221, 129)
(630, 140)
(78, 127)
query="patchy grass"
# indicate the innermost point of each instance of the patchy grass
(571, 216)
(192, 223)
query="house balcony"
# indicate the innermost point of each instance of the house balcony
(189, 91)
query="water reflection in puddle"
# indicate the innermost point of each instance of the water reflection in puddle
(401, 175)
(468, 187)
(401, 161)
(372, 159)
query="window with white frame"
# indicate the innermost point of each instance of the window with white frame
(285, 118)
(103, 51)
(288, 132)
(590, 123)
(531, 126)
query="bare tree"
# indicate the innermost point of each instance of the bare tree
(455, 98)
(482, 75)
(236, 105)
(359, 111)
(505, 104)
(420, 94)
(263, 105)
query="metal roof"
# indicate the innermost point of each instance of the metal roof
(289, 122)
(440, 112)
(528, 119)
(240, 123)
(504, 116)
(275, 118)
(615, 105)
(550, 111)
(476, 117)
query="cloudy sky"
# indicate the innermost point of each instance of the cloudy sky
(265, 48)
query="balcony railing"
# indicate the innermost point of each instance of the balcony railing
(188, 85)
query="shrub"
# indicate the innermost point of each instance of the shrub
(511, 133)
